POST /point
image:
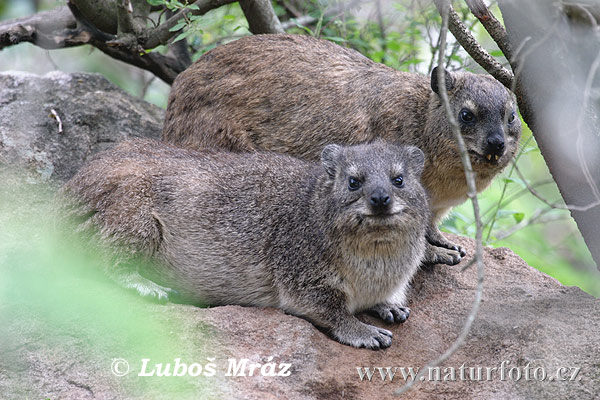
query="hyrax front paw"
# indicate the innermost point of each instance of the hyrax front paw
(440, 255)
(436, 239)
(363, 335)
(390, 313)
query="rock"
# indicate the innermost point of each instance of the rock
(526, 318)
(66, 332)
(94, 115)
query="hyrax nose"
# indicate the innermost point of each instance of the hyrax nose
(380, 201)
(494, 148)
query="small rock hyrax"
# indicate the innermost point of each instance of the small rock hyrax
(320, 240)
(295, 94)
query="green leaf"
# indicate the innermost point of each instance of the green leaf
(229, 17)
(156, 2)
(393, 45)
(518, 181)
(181, 36)
(306, 28)
(518, 216)
(178, 26)
(193, 7)
(412, 61)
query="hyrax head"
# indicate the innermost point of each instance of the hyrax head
(487, 115)
(376, 189)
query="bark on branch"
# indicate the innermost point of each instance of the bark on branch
(59, 28)
(491, 25)
(39, 29)
(471, 46)
(261, 17)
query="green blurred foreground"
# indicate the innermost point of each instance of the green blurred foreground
(60, 318)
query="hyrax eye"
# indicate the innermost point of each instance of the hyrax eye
(512, 118)
(354, 183)
(398, 181)
(466, 116)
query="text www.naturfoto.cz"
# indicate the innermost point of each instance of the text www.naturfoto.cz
(464, 373)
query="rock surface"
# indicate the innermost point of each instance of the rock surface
(63, 344)
(94, 114)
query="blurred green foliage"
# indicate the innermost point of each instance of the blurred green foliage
(57, 303)
(402, 34)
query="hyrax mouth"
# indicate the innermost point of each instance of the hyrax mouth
(489, 158)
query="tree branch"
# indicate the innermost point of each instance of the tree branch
(161, 34)
(57, 29)
(491, 25)
(261, 17)
(39, 29)
(166, 68)
(125, 17)
(102, 13)
(470, 44)
(444, 8)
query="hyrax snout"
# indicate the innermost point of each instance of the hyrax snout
(320, 240)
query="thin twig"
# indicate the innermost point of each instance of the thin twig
(381, 30)
(162, 33)
(536, 218)
(554, 205)
(125, 17)
(54, 115)
(514, 164)
(472, 194)
(579, 142)
(470, 44)
(491, 25)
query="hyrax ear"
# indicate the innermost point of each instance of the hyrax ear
(434, 80)
(416, 159)
(330, 157)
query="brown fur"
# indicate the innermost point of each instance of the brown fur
(295, 94)
(263, 229)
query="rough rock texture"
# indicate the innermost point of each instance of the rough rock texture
(526, 318)
(62, 345)
(94, 113)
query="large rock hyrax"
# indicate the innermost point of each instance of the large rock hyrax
(295, 94)
(321, 240)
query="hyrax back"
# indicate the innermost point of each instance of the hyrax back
(295, 94)
(318, 240)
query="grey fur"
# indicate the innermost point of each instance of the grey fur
(295, 94)
(265, 229)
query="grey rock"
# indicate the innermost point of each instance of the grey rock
(94, 114)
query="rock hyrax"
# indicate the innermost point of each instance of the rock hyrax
(295, 94)
(319, 240)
